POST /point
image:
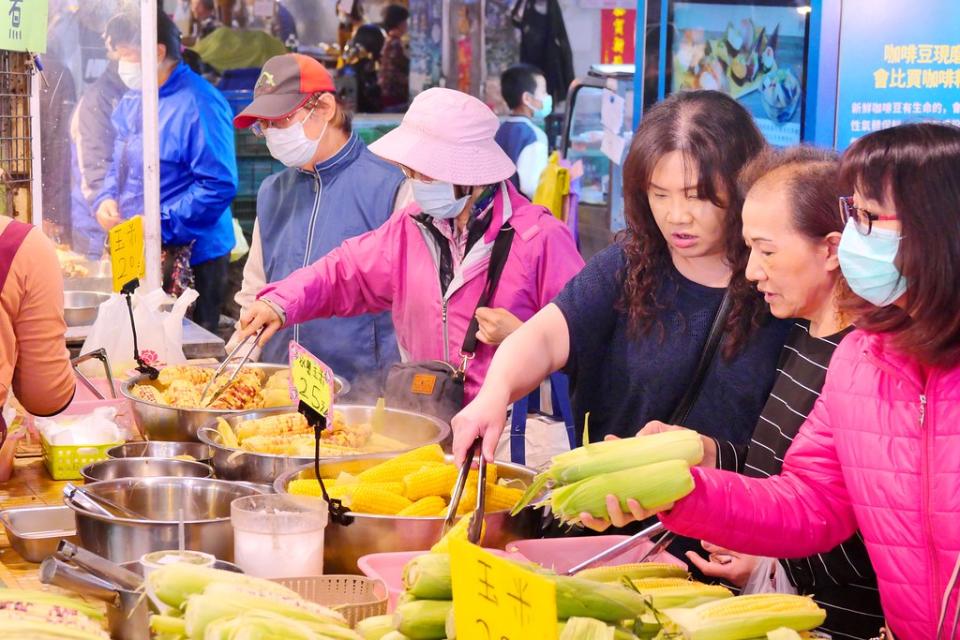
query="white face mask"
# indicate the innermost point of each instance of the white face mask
(129, 73)
(438, 199)
(292, 146)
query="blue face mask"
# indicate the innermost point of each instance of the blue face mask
(868, 264)
(437, 199)
(546, 108)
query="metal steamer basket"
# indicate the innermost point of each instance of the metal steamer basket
(190, 513)
(412, 429)
(367, 533)
(163, 422)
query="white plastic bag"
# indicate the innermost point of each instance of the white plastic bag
(159, 333)
(768, 577)
(92, 429)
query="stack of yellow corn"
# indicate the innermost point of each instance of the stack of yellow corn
(417, 483)
(654, 470)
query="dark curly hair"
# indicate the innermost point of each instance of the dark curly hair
(719, 137)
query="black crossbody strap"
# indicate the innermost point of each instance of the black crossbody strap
(682, 411)
(498, 258)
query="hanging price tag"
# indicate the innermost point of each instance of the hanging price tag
(126, 252)
(311, 380)
(495, 599)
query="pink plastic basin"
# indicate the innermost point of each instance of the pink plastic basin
(560, 554)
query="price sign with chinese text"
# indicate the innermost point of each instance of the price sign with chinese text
(495, 599)
(126, 252)
(311, 380)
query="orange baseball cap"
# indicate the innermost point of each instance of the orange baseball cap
(285, 85)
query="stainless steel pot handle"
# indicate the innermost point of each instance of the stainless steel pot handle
(210, 431)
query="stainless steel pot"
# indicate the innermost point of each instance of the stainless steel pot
(345, 544)
(144, 468)
(202, 503)
(413, 429)
(162, 422)
(80, 307)
(160, 449)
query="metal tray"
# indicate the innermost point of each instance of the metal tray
(35, 532)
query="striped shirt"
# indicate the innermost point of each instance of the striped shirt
(841, 581)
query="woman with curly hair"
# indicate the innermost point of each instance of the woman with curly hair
(630, 329)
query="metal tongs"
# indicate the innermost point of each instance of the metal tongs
(626, 545)
(476, 522)
(229, 361)
(101, 355)
(97, 504)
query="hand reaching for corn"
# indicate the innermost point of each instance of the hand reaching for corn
(709, 444)
(617, 517)
(735, 568)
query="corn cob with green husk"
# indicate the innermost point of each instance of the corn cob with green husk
(264, 625)
(783, 633)
(25, 600)
(174, 583)
(423, 619)
(618, 633)
(44, 615)
(653, 485)
(601, 458)
(586, 629)
(746, 617)
(634, 571)
(428, 577)
(375, 627)
(679, 592)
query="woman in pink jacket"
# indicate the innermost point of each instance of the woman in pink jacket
(881, 449)
(428, 263)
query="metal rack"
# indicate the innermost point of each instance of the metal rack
(16, 70)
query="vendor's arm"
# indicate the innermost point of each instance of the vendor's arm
(804, 511)
(206, 138)
(43, 381)
(254, 280)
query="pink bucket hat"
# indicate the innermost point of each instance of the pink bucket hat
(448, 135)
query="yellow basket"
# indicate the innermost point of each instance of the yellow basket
(356, 597)
(65, 461)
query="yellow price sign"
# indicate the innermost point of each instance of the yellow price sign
(496, 599)
(126, 252)
(311, 379)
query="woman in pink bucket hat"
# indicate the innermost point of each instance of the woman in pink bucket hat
(429, 263)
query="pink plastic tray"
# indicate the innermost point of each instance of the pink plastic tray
(560, 554)
(389, 568)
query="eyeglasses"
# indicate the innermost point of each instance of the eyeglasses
(862, 218)
(260, 126)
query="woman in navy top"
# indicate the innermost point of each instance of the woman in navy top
(631, 327)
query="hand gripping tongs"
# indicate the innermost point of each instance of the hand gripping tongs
(227, 362)
(476, 523)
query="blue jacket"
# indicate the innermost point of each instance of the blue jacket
(302, 216)
(198, 165)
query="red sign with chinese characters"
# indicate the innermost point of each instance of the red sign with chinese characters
(618, 36)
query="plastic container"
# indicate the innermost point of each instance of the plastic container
(561, 554)
(64, 462)
(275, 537)
(356, 597)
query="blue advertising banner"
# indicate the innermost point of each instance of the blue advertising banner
(899, 62)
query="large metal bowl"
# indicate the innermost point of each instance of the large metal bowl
(413, 429)
(162, 422)
(80, 307)
(160, 449)
(144, 468)
(202, 503)
(344, 545)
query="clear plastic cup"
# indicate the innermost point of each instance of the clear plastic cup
(275, 537)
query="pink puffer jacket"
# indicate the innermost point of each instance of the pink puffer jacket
(880, 451)
(395, 267)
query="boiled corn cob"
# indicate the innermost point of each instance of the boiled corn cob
(293, 445)
(147, 393)
(616, 455)
(375, 627)
(228, 437)
(500, 498)
(310, 487)
(197, 376)
(679, 592)
(394, 472)
(423, 619)
(182, 394)
(283, 424)
(369, 499)
(653, 485)
(586, 629)
(239, 395)
(747, 616)
(396, 468)
(14, 598)
(424, 507)
(430, 481)
(39, 614)
(428, 577)
(457, 532)
(634, 571)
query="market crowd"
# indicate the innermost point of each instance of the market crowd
(798, 309)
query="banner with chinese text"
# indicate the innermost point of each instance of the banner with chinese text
(899, 62)
(23, 25)
(617, 36)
